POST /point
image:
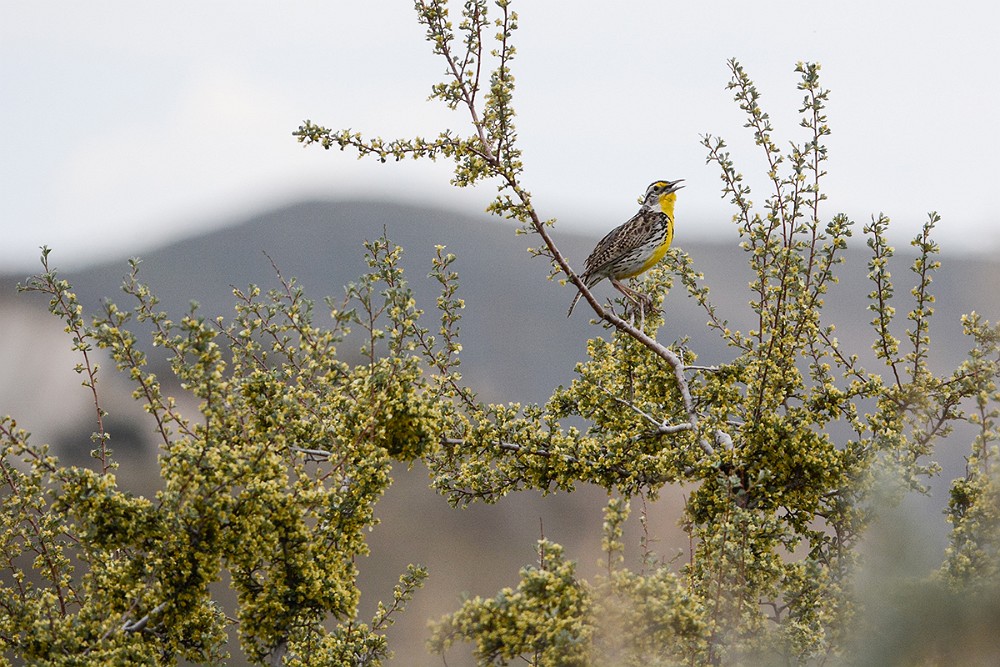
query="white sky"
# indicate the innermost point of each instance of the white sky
(127, 124)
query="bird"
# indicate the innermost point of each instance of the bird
(635, 246)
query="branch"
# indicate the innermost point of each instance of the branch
(672, 359)
(278, 653)
(138, 626)
(497, 163)
(660, 427)
(64, 304)
(527, 213)
(313, 454)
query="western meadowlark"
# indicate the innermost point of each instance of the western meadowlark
(636, 246)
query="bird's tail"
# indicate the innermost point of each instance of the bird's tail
(573, 305)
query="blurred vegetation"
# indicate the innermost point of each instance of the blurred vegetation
(789, 451)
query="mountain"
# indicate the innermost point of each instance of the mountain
(517, 345)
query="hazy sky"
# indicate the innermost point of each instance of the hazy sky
(126, 124)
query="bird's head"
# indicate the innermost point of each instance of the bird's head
(659, 193)
(657, 189)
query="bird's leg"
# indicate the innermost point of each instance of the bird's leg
(634, 296)
(630, 293)
(643, 301)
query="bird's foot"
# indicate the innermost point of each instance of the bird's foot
(641, 303)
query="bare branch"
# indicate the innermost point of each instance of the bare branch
(138, 626)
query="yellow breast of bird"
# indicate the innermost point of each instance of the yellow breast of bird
(667, 206)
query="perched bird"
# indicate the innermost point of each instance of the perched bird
(636, 246)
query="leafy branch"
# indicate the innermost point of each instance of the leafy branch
(490, 152)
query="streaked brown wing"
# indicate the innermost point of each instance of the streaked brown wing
(620, 241)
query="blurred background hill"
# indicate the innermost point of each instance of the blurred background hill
(518, 345)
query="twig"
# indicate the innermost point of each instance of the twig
(313, 454)
(138, 626)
